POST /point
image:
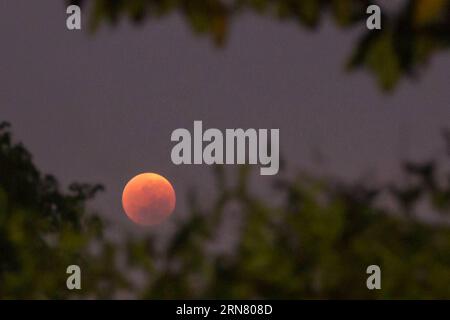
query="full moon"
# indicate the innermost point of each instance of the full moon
(148, 199)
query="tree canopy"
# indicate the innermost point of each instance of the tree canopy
(316, 244)
(408, 39)
(43, 230)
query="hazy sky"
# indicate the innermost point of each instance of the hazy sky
(101, 108)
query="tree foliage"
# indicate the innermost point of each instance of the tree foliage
(317, 243)
(407, 41)
(44, 230)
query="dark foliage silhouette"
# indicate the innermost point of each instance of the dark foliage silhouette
(43, 230)
(407, 41)
(316, 244)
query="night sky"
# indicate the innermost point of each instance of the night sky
(101, 107)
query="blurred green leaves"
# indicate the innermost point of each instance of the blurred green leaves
(315, 243)
(44, 230)
(408, 39)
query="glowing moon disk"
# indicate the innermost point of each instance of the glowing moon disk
(148, 199)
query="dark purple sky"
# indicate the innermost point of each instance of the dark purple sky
(101, 107)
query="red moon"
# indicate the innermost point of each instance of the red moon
(148, 199)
